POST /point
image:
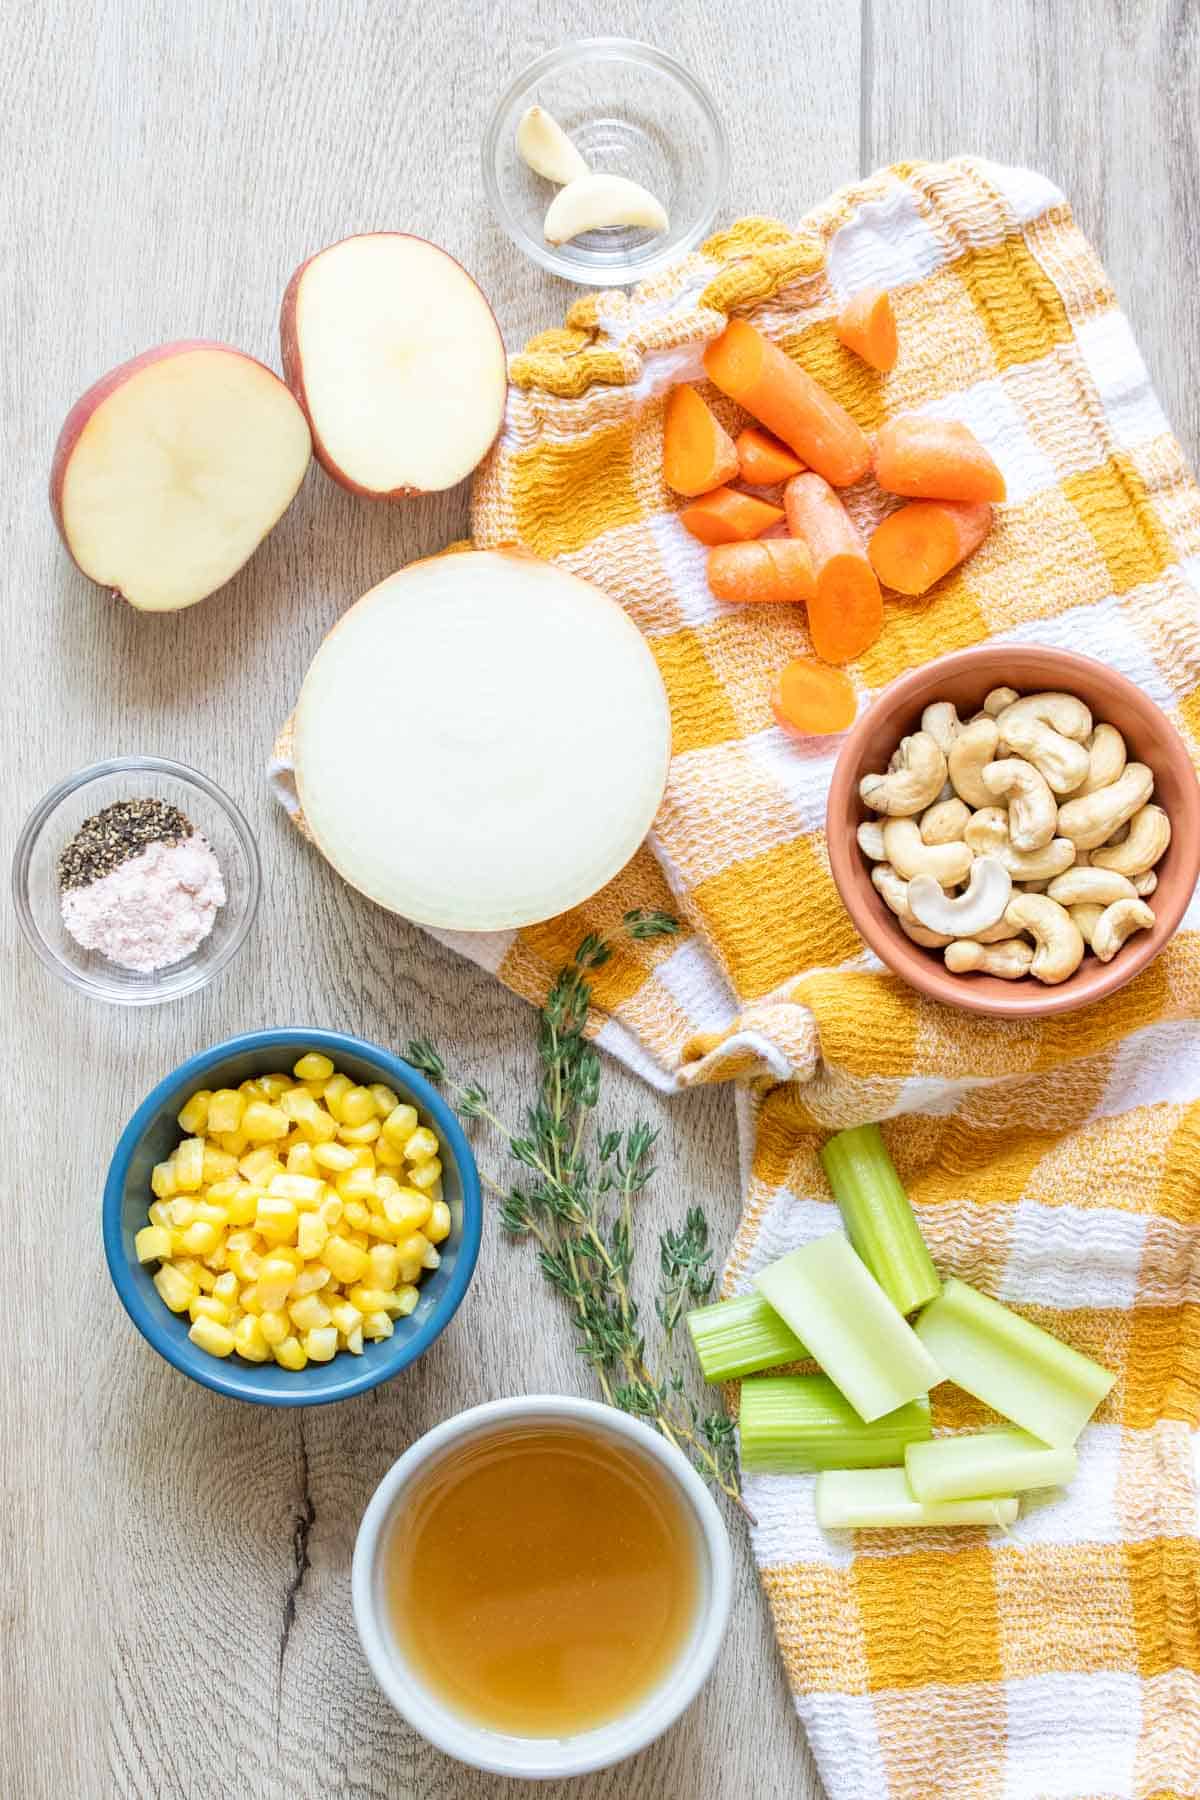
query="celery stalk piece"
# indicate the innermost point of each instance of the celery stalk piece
(864, 1345)
(878, 1216)
(1016, 1368)
(985, 1462)
(739, 1337)
(862, 1499)
(791, 1423)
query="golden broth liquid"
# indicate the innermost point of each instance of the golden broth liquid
(541, 1580)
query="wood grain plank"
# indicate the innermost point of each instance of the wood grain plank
(176, 1567)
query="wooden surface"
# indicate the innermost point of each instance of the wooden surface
(175, 1589)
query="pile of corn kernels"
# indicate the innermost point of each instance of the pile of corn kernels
(297, 1216)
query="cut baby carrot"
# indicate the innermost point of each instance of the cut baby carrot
(867, 325)
(698, 452)
(775, 569)
(923, 541)
(845, 616)
(809, 699)
(727, 517)
(763, 460)
(785, 398)
(935, 459)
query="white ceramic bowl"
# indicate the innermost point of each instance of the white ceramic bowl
(539, 1759)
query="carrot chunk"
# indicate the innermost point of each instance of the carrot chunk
(809, 699)
(845, 615)
(727, 517)
(698, 453)
(935, 459)
(785, 398)
(763, 460)
(867, 325)
(923, 541)
(779, 569)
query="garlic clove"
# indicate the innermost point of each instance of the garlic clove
(545, 146)
(595, 202)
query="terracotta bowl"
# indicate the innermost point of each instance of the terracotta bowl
(965, 678)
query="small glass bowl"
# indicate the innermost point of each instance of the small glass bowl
(53, 823)
(632, 111)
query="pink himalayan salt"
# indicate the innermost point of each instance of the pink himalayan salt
(151, 911)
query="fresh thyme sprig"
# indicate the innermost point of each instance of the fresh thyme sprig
(575, 1200)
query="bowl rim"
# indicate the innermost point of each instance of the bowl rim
(846, 863)
(363, 1374)
(616, 269)
(505, 1753)
(204, 971)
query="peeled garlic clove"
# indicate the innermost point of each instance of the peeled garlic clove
(545, 146)
(594, 202)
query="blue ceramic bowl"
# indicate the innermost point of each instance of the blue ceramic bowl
(152, 1134)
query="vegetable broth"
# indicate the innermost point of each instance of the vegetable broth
(542, 1580)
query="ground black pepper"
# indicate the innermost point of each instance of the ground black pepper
(111, 837)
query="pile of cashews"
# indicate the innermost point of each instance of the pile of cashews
(1018, 840)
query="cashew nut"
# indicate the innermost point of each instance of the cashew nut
(911, 855)
(1100, 887)
(1088, 822)
(1009, 961)
(999, 698)
(987, 835)
(595, 201)
(1062, 761)
(545, 146)
(1087, 916)
(1059, 940)
(977, 908)
(1107, 757)
(970, 753)
(913, 781)
(870, 840)
(1144, 884)
(945, 821)
(1149, 835)
(928, 940)
(943, 724)
(1063, 713)
(1118, 922)
(893, 891)
(1032, 808)
(999, 933)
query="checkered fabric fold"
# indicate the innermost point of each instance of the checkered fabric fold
(1055, 1164)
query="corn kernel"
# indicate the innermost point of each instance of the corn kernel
(188, 1164)
(300, 1160)
(236, 1142)
(248, 1339)
(345, 1316)
(297, 1189)
(408, 1210)
(400, 1124)
(426, 1174)
(225, 1111)
(432, 1258)
(217, 1165)
(207, 1306)
(311, 1234)
(310, 1280)
(252, 1090)
(412, 1255)
(308, 1313)
(310, 1118)
(367, 1299)
(387, 1155)
(355, 1184)
(211, 1215)
(354, 1341)
(152, 1242)
(208, 1334)
(274, 1283)
(379, 1227)
(360, 1134)
(275, 1084)
(162, 1180)
(437, 1226)
(364, 1158)
(357, 1106)
(288, 1253)
(158, 1215)
(405, 1301)
(179, 1212)
(313, 1067)
(343, 1260)
(290, 1354)
(242, 1207)
(384, 1099)
(383, 1265)
(331, 1209)
(220, 1193)
(196, 1273)
(321, 1344)
(193, 1119)
(357, 1216)
(226, 1287)
(263, 1123)
(275, 1326)
(245, 1264)
(335, 1157)
(377, 1325)
(421, 1145)
(335, 1088)
(260, 1165)
(174, 1288)
(200, 1238)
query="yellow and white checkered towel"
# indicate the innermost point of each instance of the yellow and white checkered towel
(1055, 1164)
